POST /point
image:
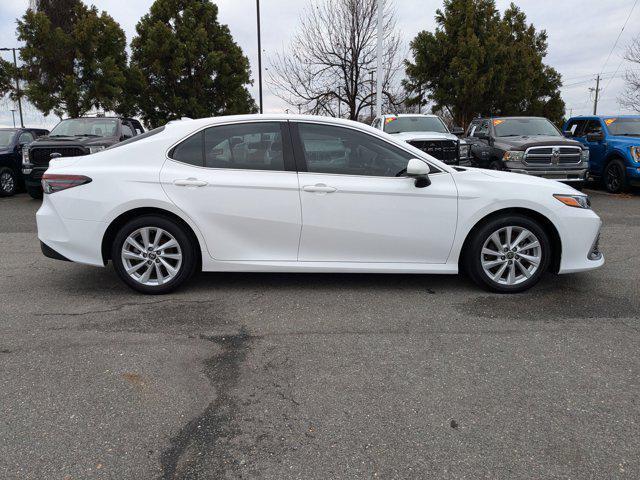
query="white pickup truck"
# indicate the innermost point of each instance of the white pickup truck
(428, 133)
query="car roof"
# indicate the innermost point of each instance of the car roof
(429, 115)
(578, 117)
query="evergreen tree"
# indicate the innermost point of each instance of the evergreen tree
(75, 64)
(185, 63)
(6, 78)
(478, 62)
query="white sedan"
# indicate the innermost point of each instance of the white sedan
(282, 193)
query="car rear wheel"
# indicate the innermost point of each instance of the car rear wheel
(153, 255)
(495, 165)
(614, 177)
(8, 182)
(508, 254)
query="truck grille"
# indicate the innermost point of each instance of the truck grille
(40, 156)
(553, 155)
(444, 150)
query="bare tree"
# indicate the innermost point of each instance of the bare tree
(328, 66)
(631, 96)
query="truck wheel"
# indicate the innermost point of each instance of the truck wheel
(507, 254)
(35, 193)
(8, 182)
(615, 177)
(495, 165)
(153, 255)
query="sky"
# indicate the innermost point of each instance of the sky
(581, 37)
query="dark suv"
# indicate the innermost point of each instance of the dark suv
(71, 138)
(12, 142)
(529, 145)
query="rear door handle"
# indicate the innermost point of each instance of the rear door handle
(319, 188)
(190, 182)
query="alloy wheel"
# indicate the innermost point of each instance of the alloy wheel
(511, 255)
(7, 182)
(151, 256)
(614, 178)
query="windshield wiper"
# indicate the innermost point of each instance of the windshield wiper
(87, 135)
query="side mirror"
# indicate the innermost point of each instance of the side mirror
(420, 171)
(457, 131)
(595, 137)
(567, 133)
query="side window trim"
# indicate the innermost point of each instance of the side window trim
(301, 162)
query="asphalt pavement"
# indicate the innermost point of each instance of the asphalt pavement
(309, 376)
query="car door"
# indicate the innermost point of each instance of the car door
(597, 149)
(238, 183)
(359, 206)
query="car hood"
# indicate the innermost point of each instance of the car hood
(520, 179)
(413, 136)
(5, 151)
(623, 139)
(525, 141)
(73, 140)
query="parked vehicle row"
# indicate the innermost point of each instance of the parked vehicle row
(305, 194)
(12, 143)
(71, 138)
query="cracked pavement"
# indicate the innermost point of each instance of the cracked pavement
(305, 376)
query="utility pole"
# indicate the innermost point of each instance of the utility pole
(339, 102)
(371, 73)
(597, 90)
(379, 48)
(15, 65)
(13, 115)
(259, 54)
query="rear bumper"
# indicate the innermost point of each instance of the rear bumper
(73, 240)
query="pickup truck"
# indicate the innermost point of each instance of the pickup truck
(12, 142)
(73, 137)
(427, 133)
(527, 145)
(614, 146)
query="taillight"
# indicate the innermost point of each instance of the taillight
(52, 183)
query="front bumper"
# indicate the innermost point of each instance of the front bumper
(580, 234)
(561, 175)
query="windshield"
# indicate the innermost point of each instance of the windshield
(629, 127)
(514, 127)
(87, 127)
(6, 137)
(414, 124)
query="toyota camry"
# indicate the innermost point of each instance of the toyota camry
(283, 193)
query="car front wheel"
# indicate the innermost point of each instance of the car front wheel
(153, 255)
(8, 182)
(508, 254)
(614, 178)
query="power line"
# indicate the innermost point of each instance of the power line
(619, 35)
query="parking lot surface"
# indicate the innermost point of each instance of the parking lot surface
(309, 376)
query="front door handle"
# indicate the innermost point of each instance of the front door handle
(190, 182)
(319, 188)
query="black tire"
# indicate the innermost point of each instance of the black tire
(472, 254)
(496, 165)
(614, 177)
(8, 182)
(577, 185)
(186, 246)
(35, 193)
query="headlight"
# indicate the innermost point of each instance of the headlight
(513, 156)
(26, 162)
(635, 154)
(577, 201)
(464, 150)
(584, 156)
(96, 148)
